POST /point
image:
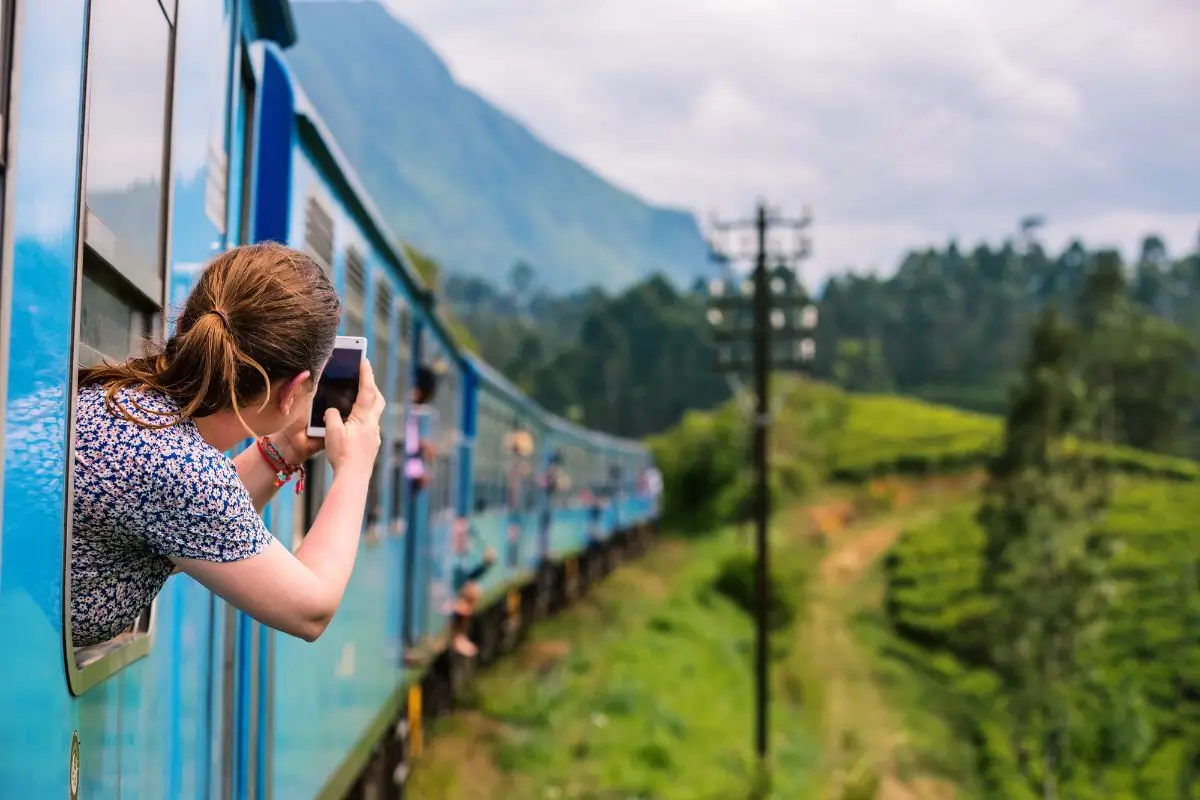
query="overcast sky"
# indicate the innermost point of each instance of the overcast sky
(902, 122)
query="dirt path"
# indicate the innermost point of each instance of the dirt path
(862, 740)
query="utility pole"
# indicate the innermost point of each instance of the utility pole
(773, 311)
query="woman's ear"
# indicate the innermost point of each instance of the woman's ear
(292, 391)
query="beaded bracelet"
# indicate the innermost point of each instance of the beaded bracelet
(282, 469)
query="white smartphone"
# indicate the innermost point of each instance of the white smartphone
(338, 386)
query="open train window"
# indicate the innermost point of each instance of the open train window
(121, 270)
(403, 352)
(381, 363)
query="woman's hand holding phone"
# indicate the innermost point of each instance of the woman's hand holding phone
(354, 443)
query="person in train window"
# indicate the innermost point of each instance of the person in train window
(417, 452)
(653, 481)
(154, 491)
(466, 586)
(550, 481)
(520, 447)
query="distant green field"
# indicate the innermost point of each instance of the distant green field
(1148, 667)
(820, 433)
(889, 434)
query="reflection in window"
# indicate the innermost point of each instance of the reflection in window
(112, 323)
(128, 66)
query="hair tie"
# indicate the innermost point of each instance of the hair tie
(224, 317)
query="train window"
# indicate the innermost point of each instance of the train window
(122, 268)
(318, 233)
(355, 318)
(113, 320)
(479, 467)
(403, 360)
(129, 54)
(381, 363)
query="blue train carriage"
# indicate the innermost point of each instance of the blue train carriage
(118, 159)
(505, 434)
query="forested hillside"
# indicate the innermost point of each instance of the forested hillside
(952, 326)
(947, 326)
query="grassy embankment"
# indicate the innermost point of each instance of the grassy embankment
(644, 689)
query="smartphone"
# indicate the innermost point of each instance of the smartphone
(338, 386)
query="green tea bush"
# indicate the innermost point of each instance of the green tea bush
(1136, 714)
(819, 433)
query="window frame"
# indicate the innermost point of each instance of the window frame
(117, 653)
(10, 21)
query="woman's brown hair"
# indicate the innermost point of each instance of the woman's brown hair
(259, 314)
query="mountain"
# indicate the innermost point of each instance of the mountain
(464, 181)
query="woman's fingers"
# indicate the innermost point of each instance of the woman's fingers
(366, 390)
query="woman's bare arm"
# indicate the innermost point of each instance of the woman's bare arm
(298, 594)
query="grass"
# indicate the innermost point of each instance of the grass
(641, 690)
(645, 688)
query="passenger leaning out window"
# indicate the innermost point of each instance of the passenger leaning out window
(154, 490)
(419, 452)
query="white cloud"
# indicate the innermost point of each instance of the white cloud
(901, 121)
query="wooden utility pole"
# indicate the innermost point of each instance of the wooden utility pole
(773, 311)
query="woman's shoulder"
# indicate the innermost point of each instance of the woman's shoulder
(139, 429)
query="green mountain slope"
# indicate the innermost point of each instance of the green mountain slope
(462, 180)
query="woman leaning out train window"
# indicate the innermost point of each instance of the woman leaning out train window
(154, 491)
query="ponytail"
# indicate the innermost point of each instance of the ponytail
(271, 296)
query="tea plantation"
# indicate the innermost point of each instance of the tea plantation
(1134, 718)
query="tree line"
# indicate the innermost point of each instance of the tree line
(948, 326)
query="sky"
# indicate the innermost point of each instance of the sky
(901, 123)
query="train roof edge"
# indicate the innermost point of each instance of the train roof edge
(313, 127)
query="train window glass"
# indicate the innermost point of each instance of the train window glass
(122, 268)
(129, 54)
(318, 233)
(354, 319)
(113, 320)
(381, 363)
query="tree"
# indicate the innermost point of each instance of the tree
(521, 278)
(1045, 555)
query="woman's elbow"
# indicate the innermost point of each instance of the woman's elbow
(312, 621)
(311, 628)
